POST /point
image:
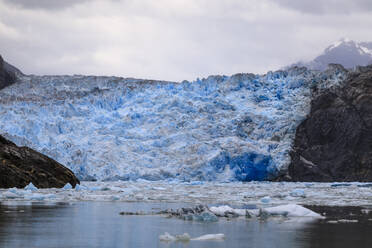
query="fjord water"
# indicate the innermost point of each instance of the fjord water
(98, 224)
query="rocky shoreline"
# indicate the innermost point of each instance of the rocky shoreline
(22, 165)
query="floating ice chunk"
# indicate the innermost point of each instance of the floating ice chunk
(266, 200)
(347, 221)
(227, 211)
(292, 210)
(332, 222)
(115, 198)
(196, 183)
(31, 187)
(95, 188)
(207, 237)
(342, 221)
(298, 193)
(158, 188)
(183, 237)
(9, 195)
(221, 210)
(366, 211)
(67, 186)
(203, 217)
(35, 197)
(80, 187)
(309, 185)
(13, 190)
(167, 237)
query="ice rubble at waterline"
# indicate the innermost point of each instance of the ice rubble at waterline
(236, 128)
(212, 193)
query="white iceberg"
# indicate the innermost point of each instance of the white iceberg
(67, 186)
(208, 237)
(31, 187)
(9, 195)
(293, 210)
(289, 210)
(166, 237)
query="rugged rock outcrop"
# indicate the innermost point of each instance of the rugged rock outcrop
(21, 165)
(7, 74)
(335, 142)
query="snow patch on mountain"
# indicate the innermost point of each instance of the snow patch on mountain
(222, 128)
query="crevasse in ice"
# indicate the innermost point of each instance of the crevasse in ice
(222, 128)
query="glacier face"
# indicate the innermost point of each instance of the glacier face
(220, 128)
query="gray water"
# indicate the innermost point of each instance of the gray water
(98, 224)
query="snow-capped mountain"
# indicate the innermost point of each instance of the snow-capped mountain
(221, 128)
(345, 52)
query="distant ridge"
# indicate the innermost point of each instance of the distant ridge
(345, 52)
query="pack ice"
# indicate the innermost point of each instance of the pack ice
(222, 128)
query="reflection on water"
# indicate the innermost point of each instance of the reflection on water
(98, 224)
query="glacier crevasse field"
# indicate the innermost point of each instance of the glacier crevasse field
(222, 128)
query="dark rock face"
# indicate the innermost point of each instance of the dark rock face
(7, 74)
(21, 165)
(335, 142)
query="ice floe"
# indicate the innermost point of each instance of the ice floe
(166, 237)
(211, 193)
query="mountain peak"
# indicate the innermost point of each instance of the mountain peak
(346, 52)
(341, 42)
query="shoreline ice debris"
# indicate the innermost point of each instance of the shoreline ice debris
(67, 186)
(222, 128)
(166, 237)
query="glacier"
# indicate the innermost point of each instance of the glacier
(221, 128)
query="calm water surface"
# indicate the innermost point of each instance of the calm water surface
(98, 224)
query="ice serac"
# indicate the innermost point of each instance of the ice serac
(335, 142)
(222, 128)
(22, 166)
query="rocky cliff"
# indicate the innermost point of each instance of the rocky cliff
(21, 165)
(335, 142)
(7, 74)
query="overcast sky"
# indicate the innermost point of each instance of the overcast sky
(173, 39)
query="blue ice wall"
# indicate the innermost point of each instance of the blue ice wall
(244, 167)
(221, 128)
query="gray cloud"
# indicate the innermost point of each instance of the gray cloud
(45, 4)
(168, 39)
(327, 6)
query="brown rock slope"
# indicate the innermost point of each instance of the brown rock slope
(21, 165)
(335, 142)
